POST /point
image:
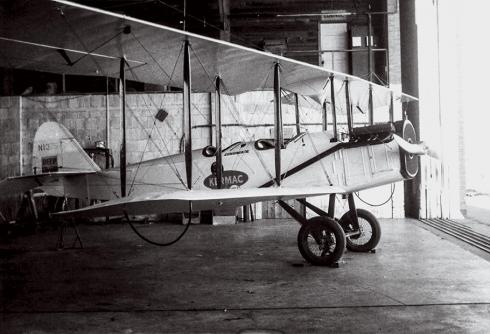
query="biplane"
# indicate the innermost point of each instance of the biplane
(65, 37)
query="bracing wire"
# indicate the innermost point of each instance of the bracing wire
(176, 62)
(236, 115)
(77, 36)
(206, 23)
(175, 170)
(161, 137)
(153, 58)
(97, 47)
(202, 65)
(141, 160)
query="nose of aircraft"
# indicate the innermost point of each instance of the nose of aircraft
(409, 161)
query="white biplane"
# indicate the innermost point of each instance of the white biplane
(65, 37)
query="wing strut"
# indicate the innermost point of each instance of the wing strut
(219, 161)
(348, 107)
(187, 115)
(278, 135)
(122, 92)
(296, 112)
(370, 105)
(324, 116)
(370, 69)
(391, 107)
(332, 105)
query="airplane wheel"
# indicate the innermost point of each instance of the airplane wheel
(321, 241)
(370, 231)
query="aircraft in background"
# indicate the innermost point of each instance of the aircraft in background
(97, 42)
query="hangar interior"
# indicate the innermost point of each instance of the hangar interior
(331, 34)
(246, 276)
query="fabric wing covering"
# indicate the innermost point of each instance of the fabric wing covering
(157, 203)
(69, 38)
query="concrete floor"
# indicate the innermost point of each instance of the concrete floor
(246, 278)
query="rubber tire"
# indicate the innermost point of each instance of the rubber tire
(324, 224)
(375, 228)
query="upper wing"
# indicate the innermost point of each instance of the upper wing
(49, 182)
(200, 199)
(65, 37)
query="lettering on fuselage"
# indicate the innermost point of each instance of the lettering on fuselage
(229, 179)
(43, 147)
(49, 164)
(235, 153)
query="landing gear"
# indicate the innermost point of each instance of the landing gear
(366, 236)
(321, 241)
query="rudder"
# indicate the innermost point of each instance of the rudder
(55, 149)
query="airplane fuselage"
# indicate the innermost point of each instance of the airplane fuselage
(309, 159)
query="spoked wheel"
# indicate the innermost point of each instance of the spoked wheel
(369, 231)
(321, 241)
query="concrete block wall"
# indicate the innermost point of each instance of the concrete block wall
(394, 51)
(83, 115)
(10, 136)
(86, 117)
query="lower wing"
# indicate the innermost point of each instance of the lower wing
(156, 203)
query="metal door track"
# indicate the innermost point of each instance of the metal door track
(460, 231)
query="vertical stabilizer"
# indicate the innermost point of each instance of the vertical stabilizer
(56, 150)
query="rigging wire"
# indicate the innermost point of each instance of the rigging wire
(153, 58)
(77, 36)
(97, 47)
(176, 61)
(202, 65)
(236, 114)
(141, 160)
(175, 170)
(206, 23)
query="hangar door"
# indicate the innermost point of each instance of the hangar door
(334, 38)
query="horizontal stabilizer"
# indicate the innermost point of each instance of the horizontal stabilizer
(51, 183)
(178, 201)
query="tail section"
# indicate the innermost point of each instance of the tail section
(56, 150)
